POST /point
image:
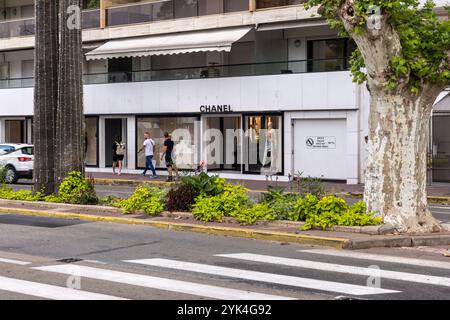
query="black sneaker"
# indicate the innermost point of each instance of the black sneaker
(169, 179)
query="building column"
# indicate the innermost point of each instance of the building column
(131, 143)
(103, 14)
(101, 142)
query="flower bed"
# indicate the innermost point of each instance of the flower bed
(210, 198)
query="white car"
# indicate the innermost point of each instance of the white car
(18, 160)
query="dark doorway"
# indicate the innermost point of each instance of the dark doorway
(113, 129)
(15, 131)
(120, 70)
(441, 148)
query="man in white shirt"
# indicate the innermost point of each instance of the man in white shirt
(148, 145)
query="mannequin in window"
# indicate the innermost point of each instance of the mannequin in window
(267, 160)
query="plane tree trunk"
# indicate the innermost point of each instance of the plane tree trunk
(45, 95)
(396, 168)
(70, 118)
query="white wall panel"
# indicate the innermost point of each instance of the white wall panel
(309, 91)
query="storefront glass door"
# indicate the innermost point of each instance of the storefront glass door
(113, 132)
(222, 141)
(263, 144)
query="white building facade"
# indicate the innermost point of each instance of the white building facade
(252, 88)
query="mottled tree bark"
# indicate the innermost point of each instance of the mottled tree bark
(70, 119)
(395, 184)
(396, 168)
(45, 95)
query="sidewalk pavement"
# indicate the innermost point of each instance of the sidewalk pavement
(279, 231)
(435, 190)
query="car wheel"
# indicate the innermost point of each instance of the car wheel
(11, 175)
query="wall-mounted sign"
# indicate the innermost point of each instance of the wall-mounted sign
(221, 108)
(321, 142)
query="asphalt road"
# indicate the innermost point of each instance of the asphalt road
(442, 213)
(48, 258)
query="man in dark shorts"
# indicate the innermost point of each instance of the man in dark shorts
(167, 155)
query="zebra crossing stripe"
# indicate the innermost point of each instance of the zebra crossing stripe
(381, 258)
(264, 277)
(12, 261)
(162, 283)
(49, 291)
(331, 267)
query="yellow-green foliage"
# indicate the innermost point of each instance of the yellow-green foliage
(23, 195)
(148, 199)
(230, 202)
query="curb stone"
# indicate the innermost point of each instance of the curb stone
(339, 243)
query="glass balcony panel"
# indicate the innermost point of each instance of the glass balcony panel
(4, 30)
(91, 19)
(207, 7)
(162, 10)
(140, 14)
(204, 72)
(235, 5)
(262, 4)
(185, 8)
(117, 16)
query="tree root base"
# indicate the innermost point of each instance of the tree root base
(424, 224)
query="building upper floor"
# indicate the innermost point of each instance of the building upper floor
(250, 52)
(108, 19)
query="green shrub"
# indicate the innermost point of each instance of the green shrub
(304, 207)
(52, 198)
(8, 193)
(230, 202)
(234, 198)
(259, 211)
(208, 208)
(109, 200)
(76, 189)
(327, 213)
(331, 210)
(356, 216)
(282, 204)
(308, 185)
(3, 171)
(204, 184)
(151, 200)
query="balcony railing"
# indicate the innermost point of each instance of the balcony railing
(170, 9)
(27, 27)
(212, 71)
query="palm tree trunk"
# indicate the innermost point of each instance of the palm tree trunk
(45, 95)
(70, 119)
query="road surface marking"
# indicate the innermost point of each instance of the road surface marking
(263, 277)
(21, 263)
(439, 207)
(331, 267)
(94, 261)
(163, 283)
(50, 292)
(382, 258)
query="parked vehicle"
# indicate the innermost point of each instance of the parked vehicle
(18, 160)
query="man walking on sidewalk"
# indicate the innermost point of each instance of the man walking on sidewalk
(148, 145)
(167, 155)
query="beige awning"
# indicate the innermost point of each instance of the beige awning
(292, 25)
(199, 41)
